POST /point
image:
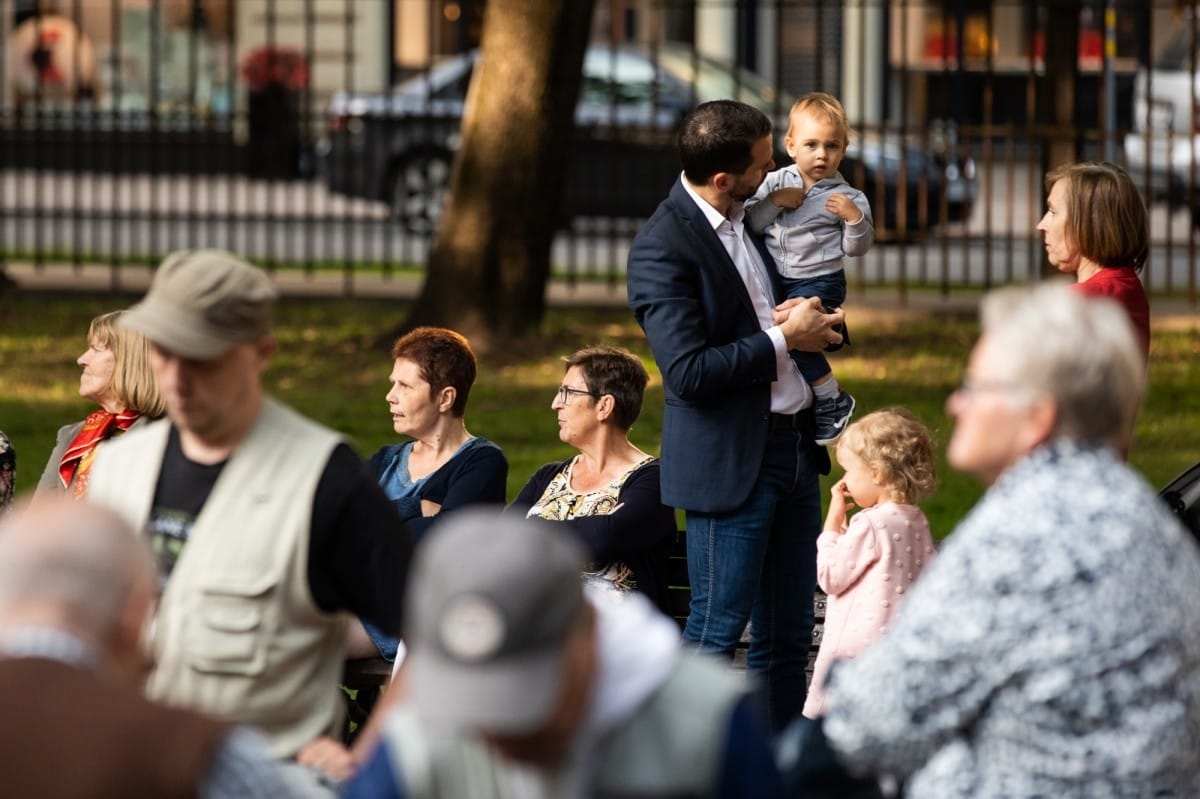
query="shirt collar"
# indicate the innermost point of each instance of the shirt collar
(46, 642)
(714, 217)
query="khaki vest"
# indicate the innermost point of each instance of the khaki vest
(672, 746)
(237, 633)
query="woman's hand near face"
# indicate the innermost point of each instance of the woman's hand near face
(430, 508)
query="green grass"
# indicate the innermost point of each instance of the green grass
(332, 366)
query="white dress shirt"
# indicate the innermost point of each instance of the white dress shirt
(789, 392)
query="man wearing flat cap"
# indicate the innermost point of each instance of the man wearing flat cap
(264, 523)
(520, 686)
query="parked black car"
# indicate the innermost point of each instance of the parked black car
(398, 147)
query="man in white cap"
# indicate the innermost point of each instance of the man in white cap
(76, 588)
(518, 685)
(264, 523)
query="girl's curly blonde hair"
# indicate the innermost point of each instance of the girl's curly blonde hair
(894, 443)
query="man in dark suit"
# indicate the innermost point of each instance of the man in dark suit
(737, 443)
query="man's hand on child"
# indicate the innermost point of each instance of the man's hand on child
(806, 325)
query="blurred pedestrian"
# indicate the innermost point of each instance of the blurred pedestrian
(265, 524)
(76, 589)
(518, 685)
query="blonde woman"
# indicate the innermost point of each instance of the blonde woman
(116, 376)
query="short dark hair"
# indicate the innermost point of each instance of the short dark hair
(1106, 215)
(719, 136)
(444, 358)
(616, 372)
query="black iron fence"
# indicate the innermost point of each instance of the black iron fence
(319, 133)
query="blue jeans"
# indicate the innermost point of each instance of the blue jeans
(758, 563)
(832, 291)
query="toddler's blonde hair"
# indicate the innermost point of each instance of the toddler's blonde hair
(826, 107)
(894, 443)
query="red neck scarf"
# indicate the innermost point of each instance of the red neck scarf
(77, 460)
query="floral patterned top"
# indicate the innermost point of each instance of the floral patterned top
(8, 471)
(559, 503)
(1051, 649)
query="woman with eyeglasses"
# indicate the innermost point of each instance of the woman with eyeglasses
(441, 467)
(608, 494)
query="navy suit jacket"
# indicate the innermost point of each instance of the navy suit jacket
(717, 363)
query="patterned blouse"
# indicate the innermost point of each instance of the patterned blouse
(1052, 649)
(559, 502)
(8, 471)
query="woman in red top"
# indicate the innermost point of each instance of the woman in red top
(1097, 228)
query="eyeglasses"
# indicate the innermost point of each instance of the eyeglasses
(565, 392)
(972, 388)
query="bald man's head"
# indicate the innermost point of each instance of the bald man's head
(76, 567)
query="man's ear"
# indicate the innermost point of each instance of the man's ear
(721, 181)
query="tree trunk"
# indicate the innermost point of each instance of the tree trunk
(488, 269)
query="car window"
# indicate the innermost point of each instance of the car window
(445, 80)
(612, 77)
(630, 79)
(1176, 54)
(455, 88)
(714, 80)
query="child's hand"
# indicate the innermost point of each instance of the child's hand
(789, 197)
(840, 503)
(844, 207)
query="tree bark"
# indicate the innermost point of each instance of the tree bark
(489, 266)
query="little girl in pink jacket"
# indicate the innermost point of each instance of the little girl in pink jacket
(867, 563)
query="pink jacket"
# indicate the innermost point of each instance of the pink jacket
(866, 572)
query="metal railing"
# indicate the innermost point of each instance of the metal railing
(157, 136)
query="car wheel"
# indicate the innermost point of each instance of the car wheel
(419, 182)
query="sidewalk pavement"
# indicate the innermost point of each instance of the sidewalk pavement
(870, 305)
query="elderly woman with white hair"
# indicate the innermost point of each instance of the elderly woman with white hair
(1053, 647)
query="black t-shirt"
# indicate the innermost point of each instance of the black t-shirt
(358, 551)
